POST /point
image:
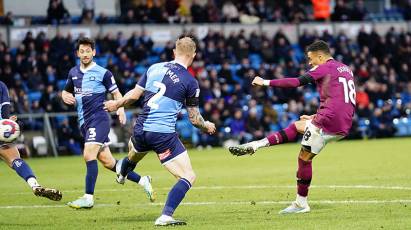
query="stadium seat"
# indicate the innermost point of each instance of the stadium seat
(34, 96)
(153, 59)
(40, 145)
(255, 60)
(158, 49)
(61, 84)
(102, 60)
(139, 69)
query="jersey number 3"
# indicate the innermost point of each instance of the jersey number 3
(349, 90)
(152, 102)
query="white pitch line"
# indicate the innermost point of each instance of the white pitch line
(246, 187)
(265, 202)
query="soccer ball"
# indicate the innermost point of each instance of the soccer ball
(9, 130)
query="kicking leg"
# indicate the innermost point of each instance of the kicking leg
(283, 136)
(11, 156)
(181, 168)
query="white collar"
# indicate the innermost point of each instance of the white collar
(175, 61)
(88, 67)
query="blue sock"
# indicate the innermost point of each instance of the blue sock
(91, 177)
(22, 169)
(132, 176)
(127, 166)
(175, 196)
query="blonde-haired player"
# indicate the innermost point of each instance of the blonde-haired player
(166, 87)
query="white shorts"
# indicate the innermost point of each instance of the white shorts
(315, 139)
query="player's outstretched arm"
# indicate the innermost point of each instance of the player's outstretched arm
(198, 121)
(283, 83)
(129, 98)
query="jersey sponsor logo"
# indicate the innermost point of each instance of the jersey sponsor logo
(92, 78)
(172, 76)
(75, 78)
(164, 154)
(78, 90)
(197, 93)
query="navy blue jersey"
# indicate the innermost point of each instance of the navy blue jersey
(90, 88)
(4, 97)
(167, 85)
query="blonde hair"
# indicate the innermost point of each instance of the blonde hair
(185, 46)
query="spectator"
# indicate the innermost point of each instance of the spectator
(359, 11)
(8, 19)
(68, 138)
(230, 12)
(57, 13)
(341, 12)
(87, 7)
(129, 17)
(321, 9)
(198, 12)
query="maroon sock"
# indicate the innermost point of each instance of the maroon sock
(304, 175)
(283, 136)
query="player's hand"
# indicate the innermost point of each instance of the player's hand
(13, 118)
(258, 81)
(209, 127)
(110, 106)
(121, 115)
(68, 98)
(306, 117)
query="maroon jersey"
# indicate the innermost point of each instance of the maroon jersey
(335, 83)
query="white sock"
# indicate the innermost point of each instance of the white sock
(33, 182)
(262, 143)
(88, 196)
(141, 181)
(301, 200)
(165, 217)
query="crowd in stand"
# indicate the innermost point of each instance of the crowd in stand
(177, 11)
(36, 70)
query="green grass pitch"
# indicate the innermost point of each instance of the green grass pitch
(356, 185)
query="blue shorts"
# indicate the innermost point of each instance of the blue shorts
(96, 131)
(166, 145)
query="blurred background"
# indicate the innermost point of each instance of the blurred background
(237, 41)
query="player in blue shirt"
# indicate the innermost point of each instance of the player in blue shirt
(166, 87)
(90, 83)
(10, 154)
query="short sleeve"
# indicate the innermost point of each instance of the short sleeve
(142, 81)
(317, 72)
(193, 90)
(5, 98)
(109, 82)
(69, 87)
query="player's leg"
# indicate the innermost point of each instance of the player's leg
(283, 136)
(11, 155)
(314, 140)
(91, 149)
(109, 162)
(135, 154)
(173, 155)
(181, 168)
(304, 176)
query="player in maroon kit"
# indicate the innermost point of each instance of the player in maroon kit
(333, 119)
